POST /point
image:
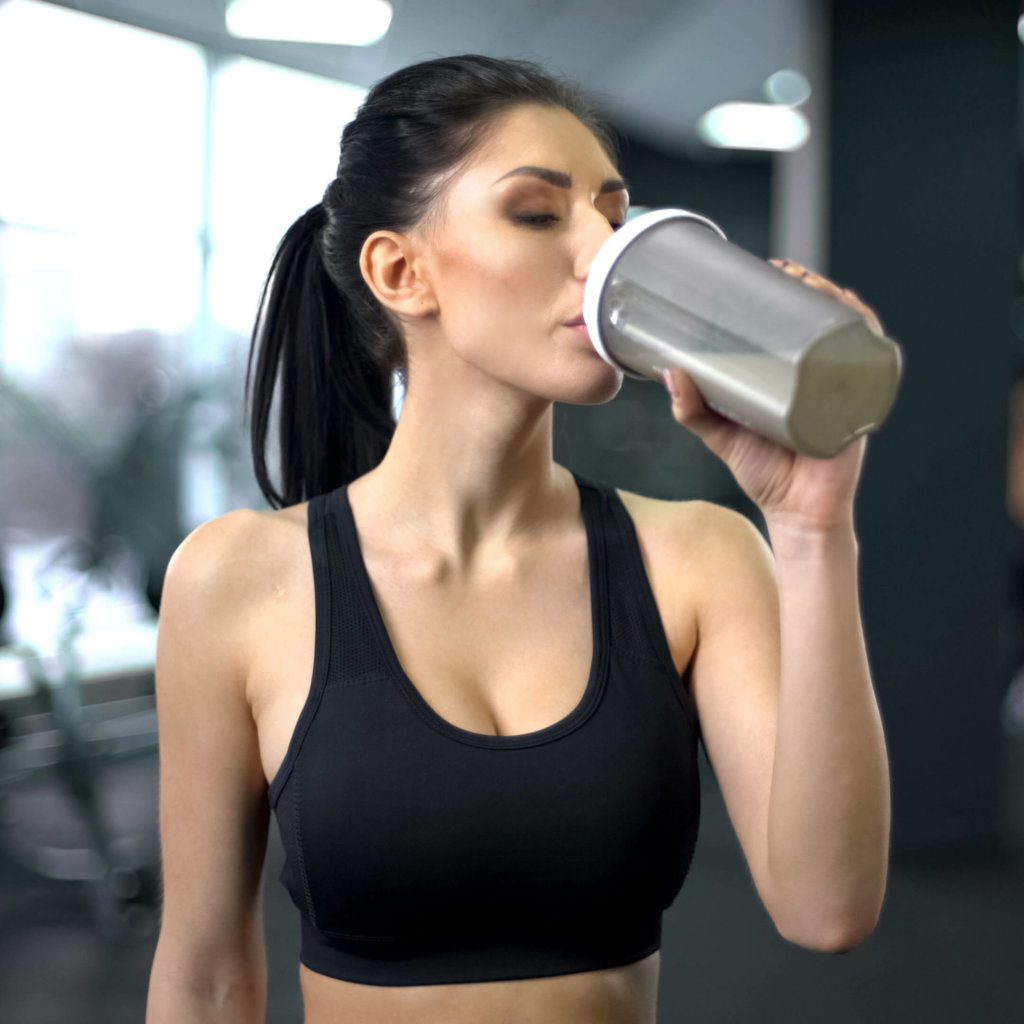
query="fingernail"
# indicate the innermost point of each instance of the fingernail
(666, 376)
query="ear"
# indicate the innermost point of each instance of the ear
(391, 268)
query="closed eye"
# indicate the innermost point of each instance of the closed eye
(541, 220)
(537, 219)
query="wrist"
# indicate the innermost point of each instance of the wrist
(794, 537)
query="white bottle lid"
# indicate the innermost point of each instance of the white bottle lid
(606, 258)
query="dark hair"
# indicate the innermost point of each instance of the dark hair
(318, 324)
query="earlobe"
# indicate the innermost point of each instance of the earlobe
(388, 265)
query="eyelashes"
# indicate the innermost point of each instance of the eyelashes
(543, 220)
(538, 220)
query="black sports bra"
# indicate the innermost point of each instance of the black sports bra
(421, 853)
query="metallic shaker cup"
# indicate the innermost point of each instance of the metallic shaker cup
(764, 349)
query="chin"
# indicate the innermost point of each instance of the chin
(591, 386)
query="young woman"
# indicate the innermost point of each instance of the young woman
(469, 683)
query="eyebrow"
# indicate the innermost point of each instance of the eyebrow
(561, 179)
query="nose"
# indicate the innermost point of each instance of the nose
(596, 233)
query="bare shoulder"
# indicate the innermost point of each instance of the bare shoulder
(226, 553)
(228, 567)
(701, 541)
(677, 526)
(694, 523)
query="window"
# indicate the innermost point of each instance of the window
(144, 186)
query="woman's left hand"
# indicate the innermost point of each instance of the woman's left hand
(788, 488)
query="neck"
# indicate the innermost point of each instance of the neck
(470, 474)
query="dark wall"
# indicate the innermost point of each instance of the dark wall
(924, 217)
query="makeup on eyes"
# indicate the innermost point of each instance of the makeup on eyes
(531, 216)
(517, 204)
(543, 220)
(535, 220)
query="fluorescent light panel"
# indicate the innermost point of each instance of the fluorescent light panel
(753, 126)
(337, 22)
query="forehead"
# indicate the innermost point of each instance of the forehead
(544, 136)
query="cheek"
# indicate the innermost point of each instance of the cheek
(495, 277)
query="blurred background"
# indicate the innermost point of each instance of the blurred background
(150, 160)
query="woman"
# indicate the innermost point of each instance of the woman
(468, 682)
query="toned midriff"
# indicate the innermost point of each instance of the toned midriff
(619, 995)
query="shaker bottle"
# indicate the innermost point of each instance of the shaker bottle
(763, 348)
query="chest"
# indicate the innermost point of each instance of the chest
(510, 655)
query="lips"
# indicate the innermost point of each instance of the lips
(575, 322)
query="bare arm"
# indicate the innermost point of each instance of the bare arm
(829, 812)
(792, 727)
(210, 960)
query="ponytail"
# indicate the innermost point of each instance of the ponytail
(334, 420)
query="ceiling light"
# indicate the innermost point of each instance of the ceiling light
(338, 22)
(753, 126)
(787, 87)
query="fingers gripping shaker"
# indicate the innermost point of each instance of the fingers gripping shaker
(764, 349)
